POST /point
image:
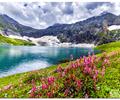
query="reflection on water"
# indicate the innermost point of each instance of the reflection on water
(17, 59)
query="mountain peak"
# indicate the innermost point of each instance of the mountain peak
(4, 15)
(6, 19)
(56, 24)
(106, 13)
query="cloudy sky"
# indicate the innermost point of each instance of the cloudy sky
(41, 15)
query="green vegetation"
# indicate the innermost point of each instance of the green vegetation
(19, 85)
(109, 46)
(110, 86)
(115, 32)
(6, 40)
(109, 36)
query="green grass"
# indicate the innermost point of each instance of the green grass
(6, 40)
(13, 79)
(109, 46)
(109, 87)
(24, 78)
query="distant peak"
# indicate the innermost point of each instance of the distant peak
(106, 13)
(56, 24)
(4, 15)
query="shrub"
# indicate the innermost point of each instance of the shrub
(78, 79)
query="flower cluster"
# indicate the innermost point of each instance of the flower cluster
(79, 78)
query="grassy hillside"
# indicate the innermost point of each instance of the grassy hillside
(19, 85)
(110, 86)
(109, 46)
(6, 40)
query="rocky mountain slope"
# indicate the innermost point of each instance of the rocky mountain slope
(9, 26)
(92, 30)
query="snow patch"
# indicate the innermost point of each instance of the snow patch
(47, 40)
(113, 27)
(50, 41)
(54, 41)
(17, 37)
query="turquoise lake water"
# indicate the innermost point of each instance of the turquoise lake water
(18, 59)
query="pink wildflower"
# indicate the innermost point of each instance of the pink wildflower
(86, 61)
(89, 70)
(73, 65)
(79, 83)
(33, 88)
(96, 72)
(32, 92)
(51, 80)
(44, 86)
(106, 61)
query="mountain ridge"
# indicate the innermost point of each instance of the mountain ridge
(86, 31)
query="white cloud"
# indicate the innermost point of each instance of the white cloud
(41, 14)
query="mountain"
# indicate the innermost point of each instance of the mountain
(92, 30)
(86, 31)
(11, 27)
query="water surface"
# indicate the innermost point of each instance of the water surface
(18, 59)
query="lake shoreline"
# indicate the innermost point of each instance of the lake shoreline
(26, 58)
